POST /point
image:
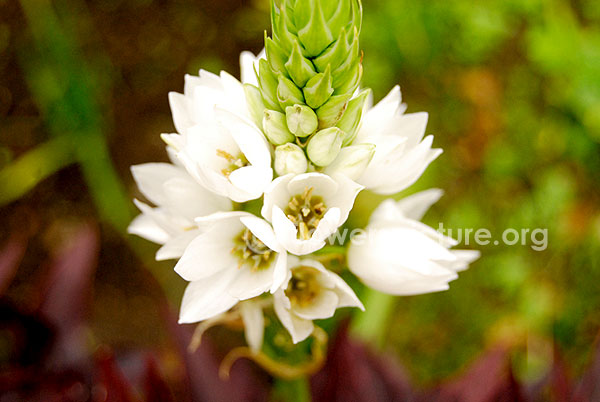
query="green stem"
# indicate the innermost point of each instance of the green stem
(292, 390)
(372, 325)
(27, 171)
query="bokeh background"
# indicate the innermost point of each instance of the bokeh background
(512, 88)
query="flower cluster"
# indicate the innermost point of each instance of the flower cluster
(264, 170)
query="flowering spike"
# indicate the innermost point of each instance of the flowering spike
(325, 146)
(301, 120)
(288, 93)
(300, 68)
(318, 89)
(275, 128)
(315, 35)
(352, 116)
(290, 158)
(255, 103)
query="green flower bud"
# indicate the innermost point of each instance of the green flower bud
(301, 120)
(335, 54)
(352, 161)
(300, 68)
(318, 89)
(351, 119)
(275, 128)
(290, 158)
(288, 93)
(268, 83)
(255, 103)
(325, 146)
(332, 111)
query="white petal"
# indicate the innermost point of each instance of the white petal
(144, 226)
(249, 139)
(346, 296)
(323, 306)
(298, 328)
(248, 62)
(345, 196)
(208, 254)
(175, 247)
(415, 206)
(205, 299)
(254, 323)
(248, 283)
(252, 180)
(276, 194)
(281, 273)
(180, 109)
(150, 178)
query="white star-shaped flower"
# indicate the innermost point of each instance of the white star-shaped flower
(401, 154)
(309, 293)
(217, 141)
(305, 209)
(237, 257)
(178, 200)
(400, 255)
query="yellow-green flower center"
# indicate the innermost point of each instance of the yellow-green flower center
(252, 252)
(234, 163)
(306, 211)
(303, 287)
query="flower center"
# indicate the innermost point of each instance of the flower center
(234, 163)
(251, 251)
(303, 287)
(305, 211)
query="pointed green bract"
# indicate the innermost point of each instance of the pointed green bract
(352, 116)
(300, 69)
(318, 89)
(255, 103)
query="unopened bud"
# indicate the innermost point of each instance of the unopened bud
(275, 127)
(352, 161)
(325, 146)
(301, 120)
(290, 158)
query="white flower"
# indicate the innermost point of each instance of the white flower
(402, 256)
(254, 323)
(401, 153)
(237, 257)
(179, 199)
(310, 292)
(307, 208)
(217, 142)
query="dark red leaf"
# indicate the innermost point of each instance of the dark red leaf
(489, 379)
(111, 385)
(353, 373)
(588, 389)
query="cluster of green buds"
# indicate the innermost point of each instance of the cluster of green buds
(306, 102)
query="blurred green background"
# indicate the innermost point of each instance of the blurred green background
(512, 88)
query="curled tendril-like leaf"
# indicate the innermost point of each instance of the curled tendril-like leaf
(227, 318)
(277, 368)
